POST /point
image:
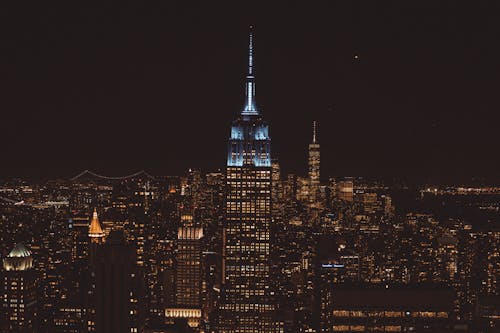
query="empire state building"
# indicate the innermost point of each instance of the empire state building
(246, 302)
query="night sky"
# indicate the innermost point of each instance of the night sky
(403, 88)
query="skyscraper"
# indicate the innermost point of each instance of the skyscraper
(246, 304)
(314, 167)
(19, 301)
(80, 239)
(118, 287)
(188, 281)
(96, 240)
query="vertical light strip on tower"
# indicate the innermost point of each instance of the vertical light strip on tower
(314, 167)
(314, 131)
(250, 107)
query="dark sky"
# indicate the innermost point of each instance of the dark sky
(119, 86)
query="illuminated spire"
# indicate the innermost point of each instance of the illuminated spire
(95, 229)
(314, 131)
(250, 52)
(250, 108)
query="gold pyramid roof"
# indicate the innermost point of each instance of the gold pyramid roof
(95, 229)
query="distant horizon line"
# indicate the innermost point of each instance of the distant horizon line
(414, 179)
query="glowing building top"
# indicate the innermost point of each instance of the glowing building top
(95, 230)
(19, 259)
(249, 144)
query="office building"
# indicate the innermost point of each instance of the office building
(246, 304)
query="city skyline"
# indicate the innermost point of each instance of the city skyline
(398, 89)
(253, 243)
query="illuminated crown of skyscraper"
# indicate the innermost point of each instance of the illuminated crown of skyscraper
(249, 143)
(19, 259)
(95, 229)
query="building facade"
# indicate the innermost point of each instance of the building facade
(188, 277)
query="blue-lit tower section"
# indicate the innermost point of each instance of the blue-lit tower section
(246, 300)
(249, 143)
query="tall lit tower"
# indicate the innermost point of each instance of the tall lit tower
(246, 304)
(96, 236)
(314, 167)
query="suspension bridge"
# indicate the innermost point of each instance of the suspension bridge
(91, 173)
(10, 201)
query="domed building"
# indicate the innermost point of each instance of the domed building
(19, 304)
(19, 259)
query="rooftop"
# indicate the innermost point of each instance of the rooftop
(19, 251)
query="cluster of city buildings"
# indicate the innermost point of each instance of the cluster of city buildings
(245, 249)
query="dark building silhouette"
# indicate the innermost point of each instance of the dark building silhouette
(118, 292)
(391, 309)
(488, 313)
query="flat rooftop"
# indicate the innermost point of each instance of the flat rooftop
(401, 298)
